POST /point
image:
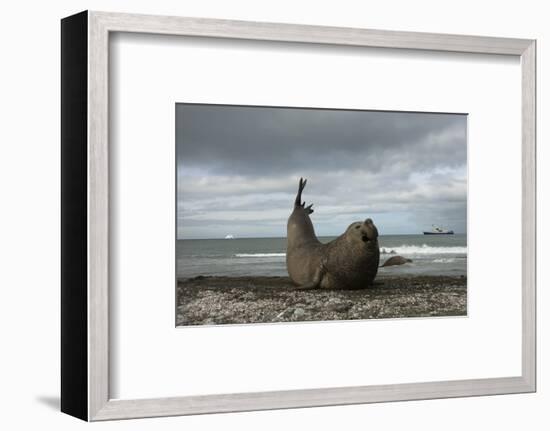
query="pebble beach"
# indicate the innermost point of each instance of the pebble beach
(218, 300)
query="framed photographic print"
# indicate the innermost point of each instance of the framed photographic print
(261, 216)
(239, 262)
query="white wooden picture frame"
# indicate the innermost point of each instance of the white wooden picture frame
(85, 215)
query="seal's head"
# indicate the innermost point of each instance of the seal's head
(363, 232)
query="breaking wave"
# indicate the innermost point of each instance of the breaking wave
(260, 255)
(402, 249)
(424, 249)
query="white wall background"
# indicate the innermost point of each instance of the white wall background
(29, 214)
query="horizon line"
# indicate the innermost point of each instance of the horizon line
(284, 237)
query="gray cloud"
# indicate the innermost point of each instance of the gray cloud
(238, 169)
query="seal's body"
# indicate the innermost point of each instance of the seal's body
(348, 262)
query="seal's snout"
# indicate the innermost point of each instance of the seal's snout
(369, 231)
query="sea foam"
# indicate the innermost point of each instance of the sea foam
(426, 249)
(260, 255)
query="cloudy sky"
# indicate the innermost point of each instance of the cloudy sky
(238, 169)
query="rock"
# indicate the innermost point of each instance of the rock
(298, 313)
(248, 296)
(396, 260)
(285, 313)
(339, 306)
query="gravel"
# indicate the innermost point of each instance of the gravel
(207, 300)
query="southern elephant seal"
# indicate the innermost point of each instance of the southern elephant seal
(348, 262)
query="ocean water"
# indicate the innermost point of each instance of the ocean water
(430, 254)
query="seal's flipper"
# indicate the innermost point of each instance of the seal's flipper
(301, 186)
(316, 282)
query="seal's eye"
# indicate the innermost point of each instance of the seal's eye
(356, 227)
(365, 238)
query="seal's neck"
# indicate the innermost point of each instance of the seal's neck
(300, 228)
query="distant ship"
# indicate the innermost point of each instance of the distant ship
(229, 236)
(436, 230)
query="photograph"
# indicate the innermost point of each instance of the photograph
(289, 214)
